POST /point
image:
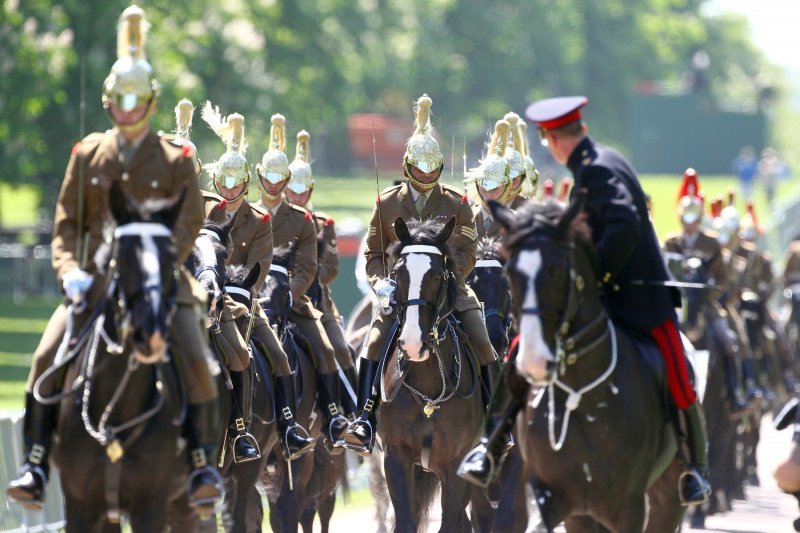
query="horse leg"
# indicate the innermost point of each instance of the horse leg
(379, 490)
(512, 511)
(180, 516)
(584, 524)
(630, 517)
(325, 511)
(483, 515)
(455, 497)
(400, 480)
(307, 519)
(664, 506)
(150, 513)
(246, 475)
(255, 510)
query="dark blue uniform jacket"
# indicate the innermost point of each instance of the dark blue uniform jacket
(624, 237)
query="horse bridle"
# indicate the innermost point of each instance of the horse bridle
(566, 353)
(153, 287)
(504, 315)
(441, 297)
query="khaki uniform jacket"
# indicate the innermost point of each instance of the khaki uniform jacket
(707, 249)
(328, 261)
(759, 277)
(292, 224)
(444, 202)
(495, 229)
(251, 236)
(791, 272)
(159, 169)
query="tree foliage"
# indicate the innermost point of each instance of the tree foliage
(318, 62)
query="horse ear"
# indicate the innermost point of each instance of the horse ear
(502, 214)
(447, 230)
(119, 205)
(401, 230)
(252, 276)
(574, 208)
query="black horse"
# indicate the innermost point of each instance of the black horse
(430, 415)
(241, 478)
(117, 445)
(286, 482)
(502, 506)
(598, 433)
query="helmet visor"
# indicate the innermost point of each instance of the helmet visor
(274, 177)
(298, 187)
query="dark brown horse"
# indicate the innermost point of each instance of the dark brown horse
(598, 433)
(431, 413)
(309, 481)
(117, 445)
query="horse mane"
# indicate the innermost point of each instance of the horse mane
(284, 256)
(490, 248)
(541, 218)
(423, 232)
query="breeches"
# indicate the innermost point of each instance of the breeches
(187, 344)
(669, 344)
(313, 331)
(336, 337)
(264, 335)
(231, 342)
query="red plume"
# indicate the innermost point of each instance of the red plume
(548, 189)
(716, 208)
(751, 209)
(690, 186)
(566, 183)
(731, 196)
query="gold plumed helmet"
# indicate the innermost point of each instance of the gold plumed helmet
(231, 170)
(422, 150)
(690, 209)
(727, 226)
(529, 185)
(131, 81)
(493, 170)
(514, 149)
(302, 179)
(274, 166)
(183, 125)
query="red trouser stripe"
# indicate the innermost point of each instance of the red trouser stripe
(669, 343)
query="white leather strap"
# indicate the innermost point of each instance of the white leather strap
(420, 249)
(278, 268)
(488, 263)
(142, 229)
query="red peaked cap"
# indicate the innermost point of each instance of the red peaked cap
(552, 113)
(690, 186)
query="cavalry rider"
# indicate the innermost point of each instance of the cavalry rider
(738, 259)
(147, 167)
(421, 196)
(293, 224)
(696, 243)
(628, 252)
(251, 237)
(298, 192)
(493, 180)
(521, 165)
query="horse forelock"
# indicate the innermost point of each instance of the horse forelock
(490, 248)
(422, 232)
(236, 274)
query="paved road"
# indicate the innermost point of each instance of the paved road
(767, 509)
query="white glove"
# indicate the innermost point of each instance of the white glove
(76, 284)
(384, 290)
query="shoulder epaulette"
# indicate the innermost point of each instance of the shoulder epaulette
(391, 189)
(455, 191)
(89, 142)
(259, 211)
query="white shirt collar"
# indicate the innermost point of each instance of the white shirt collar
(136, 143)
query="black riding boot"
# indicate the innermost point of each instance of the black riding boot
(694, 488)
(37, 429)
(483, 463)
(736, 396)
(245, 446)
(334, 423)
(489, 375)
(360, 436)
(293, 437)
(202, 425)
(349, 407)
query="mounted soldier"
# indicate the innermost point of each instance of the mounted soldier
(492, 180)
(294, 225)
(421, 196)
(633, 270)
(682, 251)
(298, 192)
(251, 236)
(146, 166)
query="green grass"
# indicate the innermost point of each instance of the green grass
(21, 326)
(18, 205)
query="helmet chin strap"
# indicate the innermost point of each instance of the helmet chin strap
(419, 184)
(266, 193)
(136, 126)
